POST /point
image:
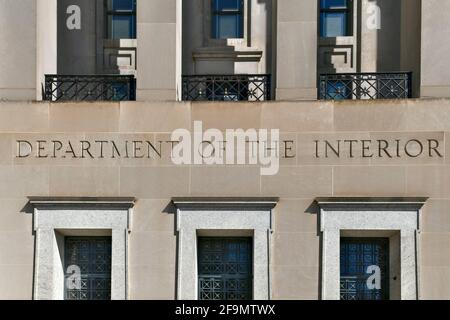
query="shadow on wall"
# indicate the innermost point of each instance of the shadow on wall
(389, 36)
(29, 209)
(270, 41)
(315, 209)
(399, 38)
(171, 209)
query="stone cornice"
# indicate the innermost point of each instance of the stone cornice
(226, 203)
(82, 202)
(371, 203)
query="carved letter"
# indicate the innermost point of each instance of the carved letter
(384, 148)
(40, 148)
(408, 153)
(86, 146)
(20, 143)
(316, 143)
(365, 148)
(114, 150)
(137, 148)
(70, 150)
(151, 146)
(434, 142)
(397, 142)
(56, 148)
(288, 148)
(210, 147)
(102, 143)
(336, 152)
(351, 143)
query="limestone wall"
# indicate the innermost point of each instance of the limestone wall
(154, 181)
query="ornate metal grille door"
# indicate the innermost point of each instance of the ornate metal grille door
(90, 88)
(92, 255)
(225, 268)
(226, 87)
(365, 86)
(360, 259)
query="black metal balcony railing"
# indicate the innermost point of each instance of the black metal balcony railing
(90, 88)
(226, 88)
(394, 85)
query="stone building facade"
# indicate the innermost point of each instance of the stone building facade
(94, 204)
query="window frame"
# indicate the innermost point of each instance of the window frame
(54, 218)
(228, 217)
(347, 11)
(384, 291)
(224, 275)
(89, 275)
(109, 30)
(215, 17)
(371, 217)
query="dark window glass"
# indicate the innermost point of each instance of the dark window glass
(121, 19)
(330, 4)
(335, 18)
(227, 19)
(91, 257)
(128, 5)
(361, 261)
(225, 268)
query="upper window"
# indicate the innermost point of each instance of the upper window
(335, 18)
(227, 19)
(121, 19)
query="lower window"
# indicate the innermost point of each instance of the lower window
(364, 265)
(225, 268)
(87, 268)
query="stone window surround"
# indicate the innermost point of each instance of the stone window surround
(369, 216)
(55, 218)
(223, 217)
